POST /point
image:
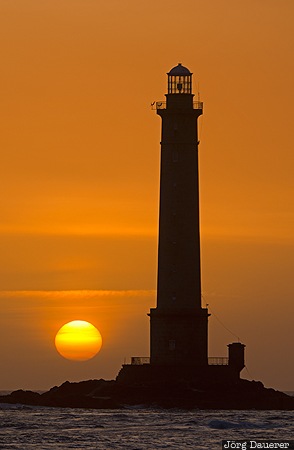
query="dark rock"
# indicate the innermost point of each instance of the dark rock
(96, 394)
(21, 396)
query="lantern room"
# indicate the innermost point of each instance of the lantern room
(179, 80)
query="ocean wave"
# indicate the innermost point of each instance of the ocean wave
(17, 406)
(226, 425)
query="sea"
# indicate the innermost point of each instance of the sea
(28, 427)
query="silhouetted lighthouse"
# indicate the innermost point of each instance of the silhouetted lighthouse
(179, 323)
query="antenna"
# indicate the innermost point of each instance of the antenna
(226, 328)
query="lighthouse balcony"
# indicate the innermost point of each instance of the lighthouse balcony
(162, 105)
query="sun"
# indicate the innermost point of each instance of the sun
(78, 340)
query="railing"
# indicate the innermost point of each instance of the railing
(159, 105)
(212, 361)
(140, 360)
(218, 361)
(162, 105)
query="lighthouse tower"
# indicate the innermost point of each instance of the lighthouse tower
(178, 325)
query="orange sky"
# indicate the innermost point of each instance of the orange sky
(80, 175)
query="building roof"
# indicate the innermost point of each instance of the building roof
(179, 70)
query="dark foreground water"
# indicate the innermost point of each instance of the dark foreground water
(23, 427)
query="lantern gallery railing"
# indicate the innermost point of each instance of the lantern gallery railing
(162, 105)
(218, 361)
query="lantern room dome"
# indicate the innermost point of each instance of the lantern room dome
(179, 80)
(179, 70)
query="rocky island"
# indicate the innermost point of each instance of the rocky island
(102, 394)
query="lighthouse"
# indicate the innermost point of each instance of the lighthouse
(178, 324)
